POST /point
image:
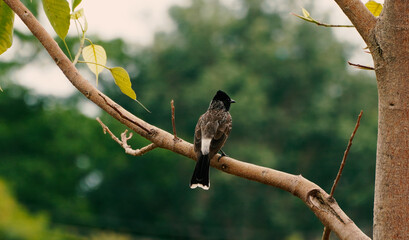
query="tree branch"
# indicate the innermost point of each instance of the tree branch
(325, 208)
(361, 18)
(124, 141)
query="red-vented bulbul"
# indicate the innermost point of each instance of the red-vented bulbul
(211, 132)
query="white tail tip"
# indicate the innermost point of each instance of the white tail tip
(193, 186)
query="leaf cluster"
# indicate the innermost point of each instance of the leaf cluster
(60, 15)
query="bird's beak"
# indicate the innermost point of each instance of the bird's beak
(232, 101)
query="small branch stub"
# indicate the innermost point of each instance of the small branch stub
(360, 66)
(175, 137)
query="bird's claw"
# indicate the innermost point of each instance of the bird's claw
(222, 154)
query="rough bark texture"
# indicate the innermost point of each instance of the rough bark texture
(391, 209)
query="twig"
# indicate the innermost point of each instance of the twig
(361, 66)
(346, 154)
(327, 231)
(124, 141)
(175, 137)
(308, 18)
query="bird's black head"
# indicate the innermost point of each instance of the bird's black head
(224, 98)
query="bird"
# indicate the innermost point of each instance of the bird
(211, 132)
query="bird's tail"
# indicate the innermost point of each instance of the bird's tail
(200, 176)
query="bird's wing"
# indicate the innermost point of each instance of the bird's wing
(212, 126)
(224, 128)
(198, 135)
(223, 131)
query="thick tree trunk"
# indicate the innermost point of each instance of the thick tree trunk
(391, 57)
(388, 40)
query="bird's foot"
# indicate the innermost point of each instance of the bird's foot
(222, 154)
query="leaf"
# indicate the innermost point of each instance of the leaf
(96, 58)
(306, 16)
(374, 7)
(75, 3)
(6, 29)
(58, 13)
(123, 81)
(80, 14)
(77, 14)
(306, 13)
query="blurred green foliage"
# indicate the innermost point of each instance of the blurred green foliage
(15, 222)
(297, 104)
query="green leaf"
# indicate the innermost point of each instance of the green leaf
(96, 58)
(123, 81)
(374, 7)
(306, 16)
(6, 29)
(78, 14)
(75, 3)
(58, 13)
(306, 13)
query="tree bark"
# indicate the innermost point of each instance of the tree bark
(391, 207)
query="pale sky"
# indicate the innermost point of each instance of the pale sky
(137, 21)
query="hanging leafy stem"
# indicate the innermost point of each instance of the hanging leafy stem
(60, 14)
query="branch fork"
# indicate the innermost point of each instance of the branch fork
(124, 141)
